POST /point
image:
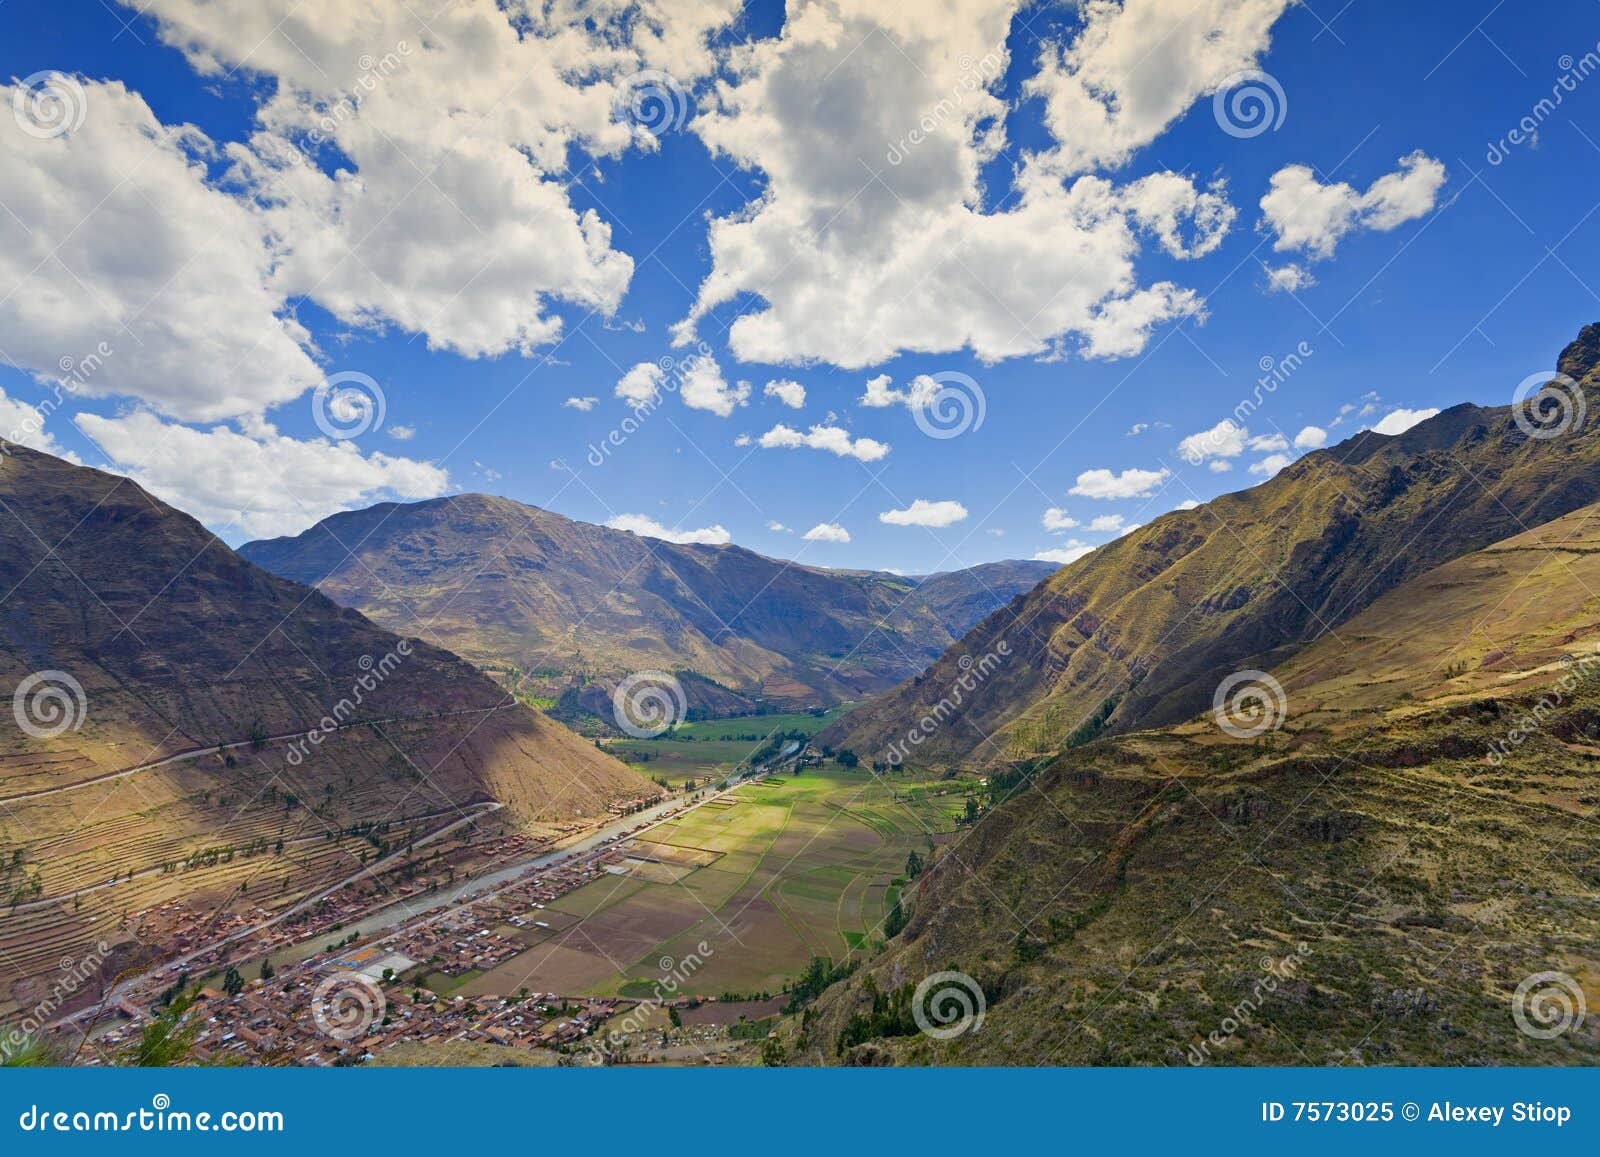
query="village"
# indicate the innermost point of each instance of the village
(359, 995)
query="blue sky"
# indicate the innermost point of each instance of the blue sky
(488, 232)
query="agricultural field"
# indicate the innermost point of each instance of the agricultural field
(713, 748)
(741, 726)
(767, 877)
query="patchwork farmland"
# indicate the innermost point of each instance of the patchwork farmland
(768, 876)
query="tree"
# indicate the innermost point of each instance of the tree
(896, 921)
(674, 1017)
(913, 865)
(848, 758)
(232, 982)
(267, 971)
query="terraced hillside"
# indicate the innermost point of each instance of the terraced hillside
(1138, 633)
(157, 744)
(513, 587)
(1400, 867)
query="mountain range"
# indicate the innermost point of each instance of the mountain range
(1139, 633)
(166, 690)
(1382, 875)
(523, 592)
(1353, 827)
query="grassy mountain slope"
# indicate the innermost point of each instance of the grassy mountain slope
(508, 585)
(179, 644)
(1364, 885)
(1143, 629)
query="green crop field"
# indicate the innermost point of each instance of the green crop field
(713, 748)
(797, 868)
(757, 725)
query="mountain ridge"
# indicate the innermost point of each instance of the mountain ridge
(519, 589)
(185, 725)
(1139, 633)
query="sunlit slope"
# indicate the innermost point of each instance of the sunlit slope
(1146, 626)
(1370, 880)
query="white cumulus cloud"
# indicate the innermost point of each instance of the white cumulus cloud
(647, 527)
(833, 439)
(640, 385)
(1401, 420)
(1070, 551)
(263, 485)
(865, 243)
(827, 532)
(704, 388)
(923, 512)
(1056, 520)
(1307, 215)
(1128, 484)
(790, 393)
